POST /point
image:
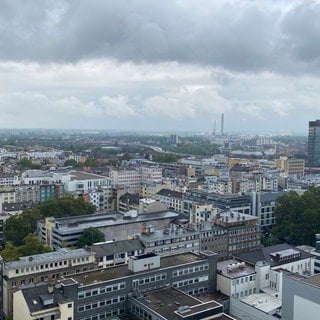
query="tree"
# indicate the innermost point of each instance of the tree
(31, 245)
(16, 228)
(298, 217)
(72, 163)
(67, 206)
(90, 236)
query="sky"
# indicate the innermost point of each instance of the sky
(169, 65)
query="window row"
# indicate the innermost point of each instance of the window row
(188, 282)
(101, 290)
(150, 279)
(184, 271)
(52, 265)
(105, 315)
(101, 303)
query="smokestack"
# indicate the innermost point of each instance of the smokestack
(222, 122)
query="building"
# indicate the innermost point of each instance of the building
(314, 143)
(271, 262)
(243, 231)
(291, 167)
(169, 241)
(263, 205)
(236, 279)
(301, 300)
(115, 253)
(66, 231)
(119, 291)
(172, 199)
(47, 267)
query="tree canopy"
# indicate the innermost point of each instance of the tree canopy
(16, 228)
(298, 217)
(31, 245)
(90, 236)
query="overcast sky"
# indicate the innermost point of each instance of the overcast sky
(160, 65)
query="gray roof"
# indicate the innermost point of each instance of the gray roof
(60, 254)
(36, 295)
(103, 220)
(268, 253)
(106, 249)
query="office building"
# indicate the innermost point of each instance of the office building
(314, 143)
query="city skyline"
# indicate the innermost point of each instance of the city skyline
(165, 66)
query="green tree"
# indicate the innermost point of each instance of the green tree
(17, 227)
(31, 245)
(298, 217)
(10, 252)
(90, 236)
(64, 207)
(28, 164)
(72, 163)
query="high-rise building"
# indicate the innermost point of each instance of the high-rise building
(314, 143)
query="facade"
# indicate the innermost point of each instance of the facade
(172, 199)
(100, 295)
(243, 231)
(263, 205)
(291, 167)
(170, 241)
(314, 143)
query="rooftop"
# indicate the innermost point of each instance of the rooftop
(173, 304)
(80, 175)
(92, 277)
(233, 269)
(313, 280)
(110, 248)
(269, 255)
(59, 255)
(109, 219)
(264, 302)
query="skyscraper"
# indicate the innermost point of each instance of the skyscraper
(314, 143)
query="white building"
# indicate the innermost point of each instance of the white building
(236, 279)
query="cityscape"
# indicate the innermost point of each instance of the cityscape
(159, 160)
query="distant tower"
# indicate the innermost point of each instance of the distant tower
(222, 123)
(214, 128)
(314, 144)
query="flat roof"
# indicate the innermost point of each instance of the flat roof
(80, 175)
(109, 219)
(263, 302)
(116, 272)
(174, 304)
(233, 269)
(59, 255)
(314, 280)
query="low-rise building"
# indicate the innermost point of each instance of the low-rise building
(48, 267)
(117, 292)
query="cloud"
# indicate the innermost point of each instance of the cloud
(238, 35)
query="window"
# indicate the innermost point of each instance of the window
(69, 305)
(267, 276)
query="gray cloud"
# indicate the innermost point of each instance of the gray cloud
(243, 35)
